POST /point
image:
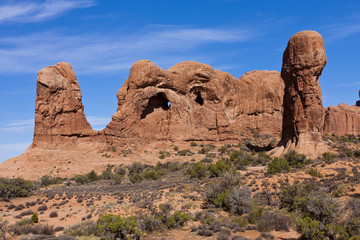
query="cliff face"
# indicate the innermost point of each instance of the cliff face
(59, 112)
(189, 101)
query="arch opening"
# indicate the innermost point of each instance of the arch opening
(199, 99)
(158, 101)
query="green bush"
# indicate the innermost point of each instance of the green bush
(164, 154)
(136, 178)
(197, 170)
(314, 172)
(296, 159)
(278, 165)
(16, 187)
(111, 227)
(240, 159)
(81, 179)
(178, 219)
(185, 152)
(328, 156)
(92, 176)
(34, 218)
(153, 174)
(216, 170)
(106, 174)
(47, 181)
(86, 228)
(193, 144)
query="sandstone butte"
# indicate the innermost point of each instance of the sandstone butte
(187, 102)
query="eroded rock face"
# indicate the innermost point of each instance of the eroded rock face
(303, 63)
(59, 112)
(342, 120)
(192, 101)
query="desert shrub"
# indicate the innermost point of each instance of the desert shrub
(42, 208)
(164, 154)
(197, 170)
(255, 214)
(53, 214)
(314, 172)
(173, 166)
(185, 152)
(296, 159)
(120, 171)
(81, 179)
(240, 160)
(136, 178)
(34, 218)
(135, 167)
(313, 229)
(149, 223)
(275, 220)
(217, 169)
(239, 200)
(24, 221)
(345, 152)
(328, 156)
(178, 219)
(3, 228)
(193, 144)
(16, 187)
(48, 180)
(278, 165)
(92, 176)
(86, 228)
(113, 227)
(106, 174)
(153, 174)
(322, 207)
(261, 159)
(38, 229)
(353, 206)
(216, 194)
(26, 213)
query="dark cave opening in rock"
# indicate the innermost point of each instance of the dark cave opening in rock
(199, 99)
(158, 101)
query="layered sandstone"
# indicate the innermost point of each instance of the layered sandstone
(59, 112)
(192, 101)
(303, 62)
(342, 120)
(187, 102)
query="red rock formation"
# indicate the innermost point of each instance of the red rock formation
(59, 112)
(303, 119)
(342, 120)
(191, 101)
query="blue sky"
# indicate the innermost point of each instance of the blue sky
(102, 39)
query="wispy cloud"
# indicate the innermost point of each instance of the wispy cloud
(348, 84)
(18, 126)
(36, 11)
(99, 53)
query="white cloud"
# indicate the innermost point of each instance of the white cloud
(12, 150)
(100, 53)
(17, 126)
(36, 11)
(348, 84)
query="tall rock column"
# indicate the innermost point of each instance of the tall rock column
(303, 118)
(59, 112)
